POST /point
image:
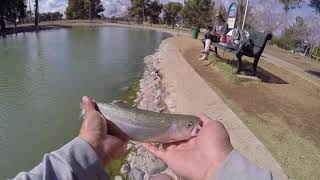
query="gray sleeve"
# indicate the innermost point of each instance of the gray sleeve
(75, 160)
(237, 167)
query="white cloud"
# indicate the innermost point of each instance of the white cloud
(112, 7)
(118, 7)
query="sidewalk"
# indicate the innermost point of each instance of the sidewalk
(190, 94)
(292, 68)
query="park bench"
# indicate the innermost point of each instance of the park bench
(260, 40)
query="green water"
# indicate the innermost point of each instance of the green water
(44, 75)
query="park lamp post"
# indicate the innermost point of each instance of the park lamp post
(245, 14)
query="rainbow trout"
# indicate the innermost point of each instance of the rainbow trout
(147, 126)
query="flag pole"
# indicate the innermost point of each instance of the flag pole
(245, 14)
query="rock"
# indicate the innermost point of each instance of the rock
(156, 166)
(125, 168)
(141, 150)
(131, 156)
(138, 145)
(158, 92)
(118, 178)
(161, 176)
(160, 109)
(156, 101)
(135, 174)
(152, 107)
(129, 146)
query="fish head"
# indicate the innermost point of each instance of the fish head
(183, 128)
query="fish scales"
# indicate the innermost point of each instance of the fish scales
(147, 126)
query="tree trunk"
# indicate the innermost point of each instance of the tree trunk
(2, 23)
(173, 23)
(90, 10)
(15, 19)
(36, 13)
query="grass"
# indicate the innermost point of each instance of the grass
(226, 69)
(114, 167)
(127, 94)
(229, 72)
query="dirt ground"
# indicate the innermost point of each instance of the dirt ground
(282, 110)
(311, 66)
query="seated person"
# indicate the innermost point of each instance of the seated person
(214, 34)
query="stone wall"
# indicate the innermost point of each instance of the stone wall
(142, 165)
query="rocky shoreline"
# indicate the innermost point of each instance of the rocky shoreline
(142, 165)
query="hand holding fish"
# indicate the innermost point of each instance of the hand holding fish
(94, 130)
(200, 157)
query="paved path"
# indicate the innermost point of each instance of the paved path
(292, 68)
(190, 94)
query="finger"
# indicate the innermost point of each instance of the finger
(116, 131)
(88, 104)
(160, 153)
(205, 119)
(169, 146)
(187, 144)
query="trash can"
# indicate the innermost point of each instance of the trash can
(195, 32)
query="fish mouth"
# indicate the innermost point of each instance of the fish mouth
(195, 130)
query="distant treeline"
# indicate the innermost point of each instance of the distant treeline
(56, 16)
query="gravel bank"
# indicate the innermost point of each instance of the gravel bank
(141, 164)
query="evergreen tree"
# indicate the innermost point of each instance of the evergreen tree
(138, 10)
(197, 13)
(316, 5)
(171, 11)
(10, 10)
(84, 9)
(153, 10)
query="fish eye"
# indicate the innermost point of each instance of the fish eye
(189, 124)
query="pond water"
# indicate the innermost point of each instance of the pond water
(43, 76)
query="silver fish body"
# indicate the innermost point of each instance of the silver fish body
(147, 126)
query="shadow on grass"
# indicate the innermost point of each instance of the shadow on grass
(229, 68)
(314, 73)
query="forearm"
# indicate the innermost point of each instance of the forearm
(237, 167)
(75, 160)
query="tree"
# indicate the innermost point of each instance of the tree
(316, 5)
(140, 9)
(153, 10)
(287, 39)
(197, 12)
(95, 8)
(36, 13)
(10, 10)
(303, 30)
(171, 11)
(137, 10)
(291, 4)
(56, 16)
(267, 20)
(84, 9)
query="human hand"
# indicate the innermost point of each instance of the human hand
(200, 157)
(94, 130)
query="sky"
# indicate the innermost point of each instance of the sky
(116, 7)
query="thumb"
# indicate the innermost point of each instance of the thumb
(160, 153)
(88, 104)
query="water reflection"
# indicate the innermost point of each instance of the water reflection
(43, 76)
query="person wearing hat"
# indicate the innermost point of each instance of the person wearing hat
(213, 34)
